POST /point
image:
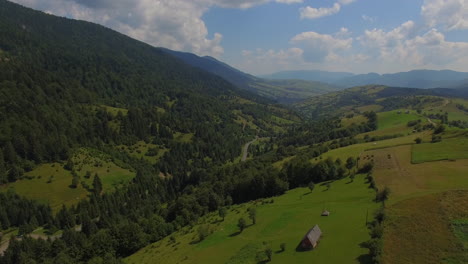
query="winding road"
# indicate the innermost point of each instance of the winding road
(245, 149)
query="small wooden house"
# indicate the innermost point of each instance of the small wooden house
(311, 238)
(325, 213)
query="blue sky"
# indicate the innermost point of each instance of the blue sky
(265, 36)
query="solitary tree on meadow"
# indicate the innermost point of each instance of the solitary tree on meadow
(203, 231)
(350, 163)
(268, 252)
(253, 214)
(311, 186)
(241, 224)
(283, 247)
(222, 212)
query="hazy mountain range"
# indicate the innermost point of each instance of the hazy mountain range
(287, 90)
(413, 79)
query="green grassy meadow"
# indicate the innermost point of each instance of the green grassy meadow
(449, 106)
(50, 185)
(394, 119)
(447, 149)
(284, 221)
(357, 149)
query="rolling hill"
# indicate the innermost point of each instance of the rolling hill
(387, 98)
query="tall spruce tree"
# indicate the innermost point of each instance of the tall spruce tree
(97, 185)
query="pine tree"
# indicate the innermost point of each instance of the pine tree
(3, 176)
(10, 153)
(97, 185)
(4, 221)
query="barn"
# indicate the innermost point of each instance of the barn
(311, 238)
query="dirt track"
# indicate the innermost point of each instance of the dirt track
(245, 149)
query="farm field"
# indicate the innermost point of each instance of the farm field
(430, 233)
(426, 200)
(393, 168)
(447, 149)
(286, 220)
(356, 149)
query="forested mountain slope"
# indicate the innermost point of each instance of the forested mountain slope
(75, 94)
(53, 69)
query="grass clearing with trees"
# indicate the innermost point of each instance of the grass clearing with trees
(50, 182)
(285, 220)
(148, 151)
(396, 118)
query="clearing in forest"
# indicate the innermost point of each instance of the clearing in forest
(50, 182)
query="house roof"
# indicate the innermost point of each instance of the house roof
(314, 234)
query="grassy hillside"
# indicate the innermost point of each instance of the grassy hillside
(381, 98)
(448, 149)
(286, 220)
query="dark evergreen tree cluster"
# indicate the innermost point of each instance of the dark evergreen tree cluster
(20, 212)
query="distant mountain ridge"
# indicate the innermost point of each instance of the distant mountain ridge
(314, 75)
(415, 79)
(283, 91)
(423, 79)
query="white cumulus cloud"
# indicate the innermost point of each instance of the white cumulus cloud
(346, 2)
(406, 46)
(313, 13)
(450, 14)
(290, 1)
(320, 47)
